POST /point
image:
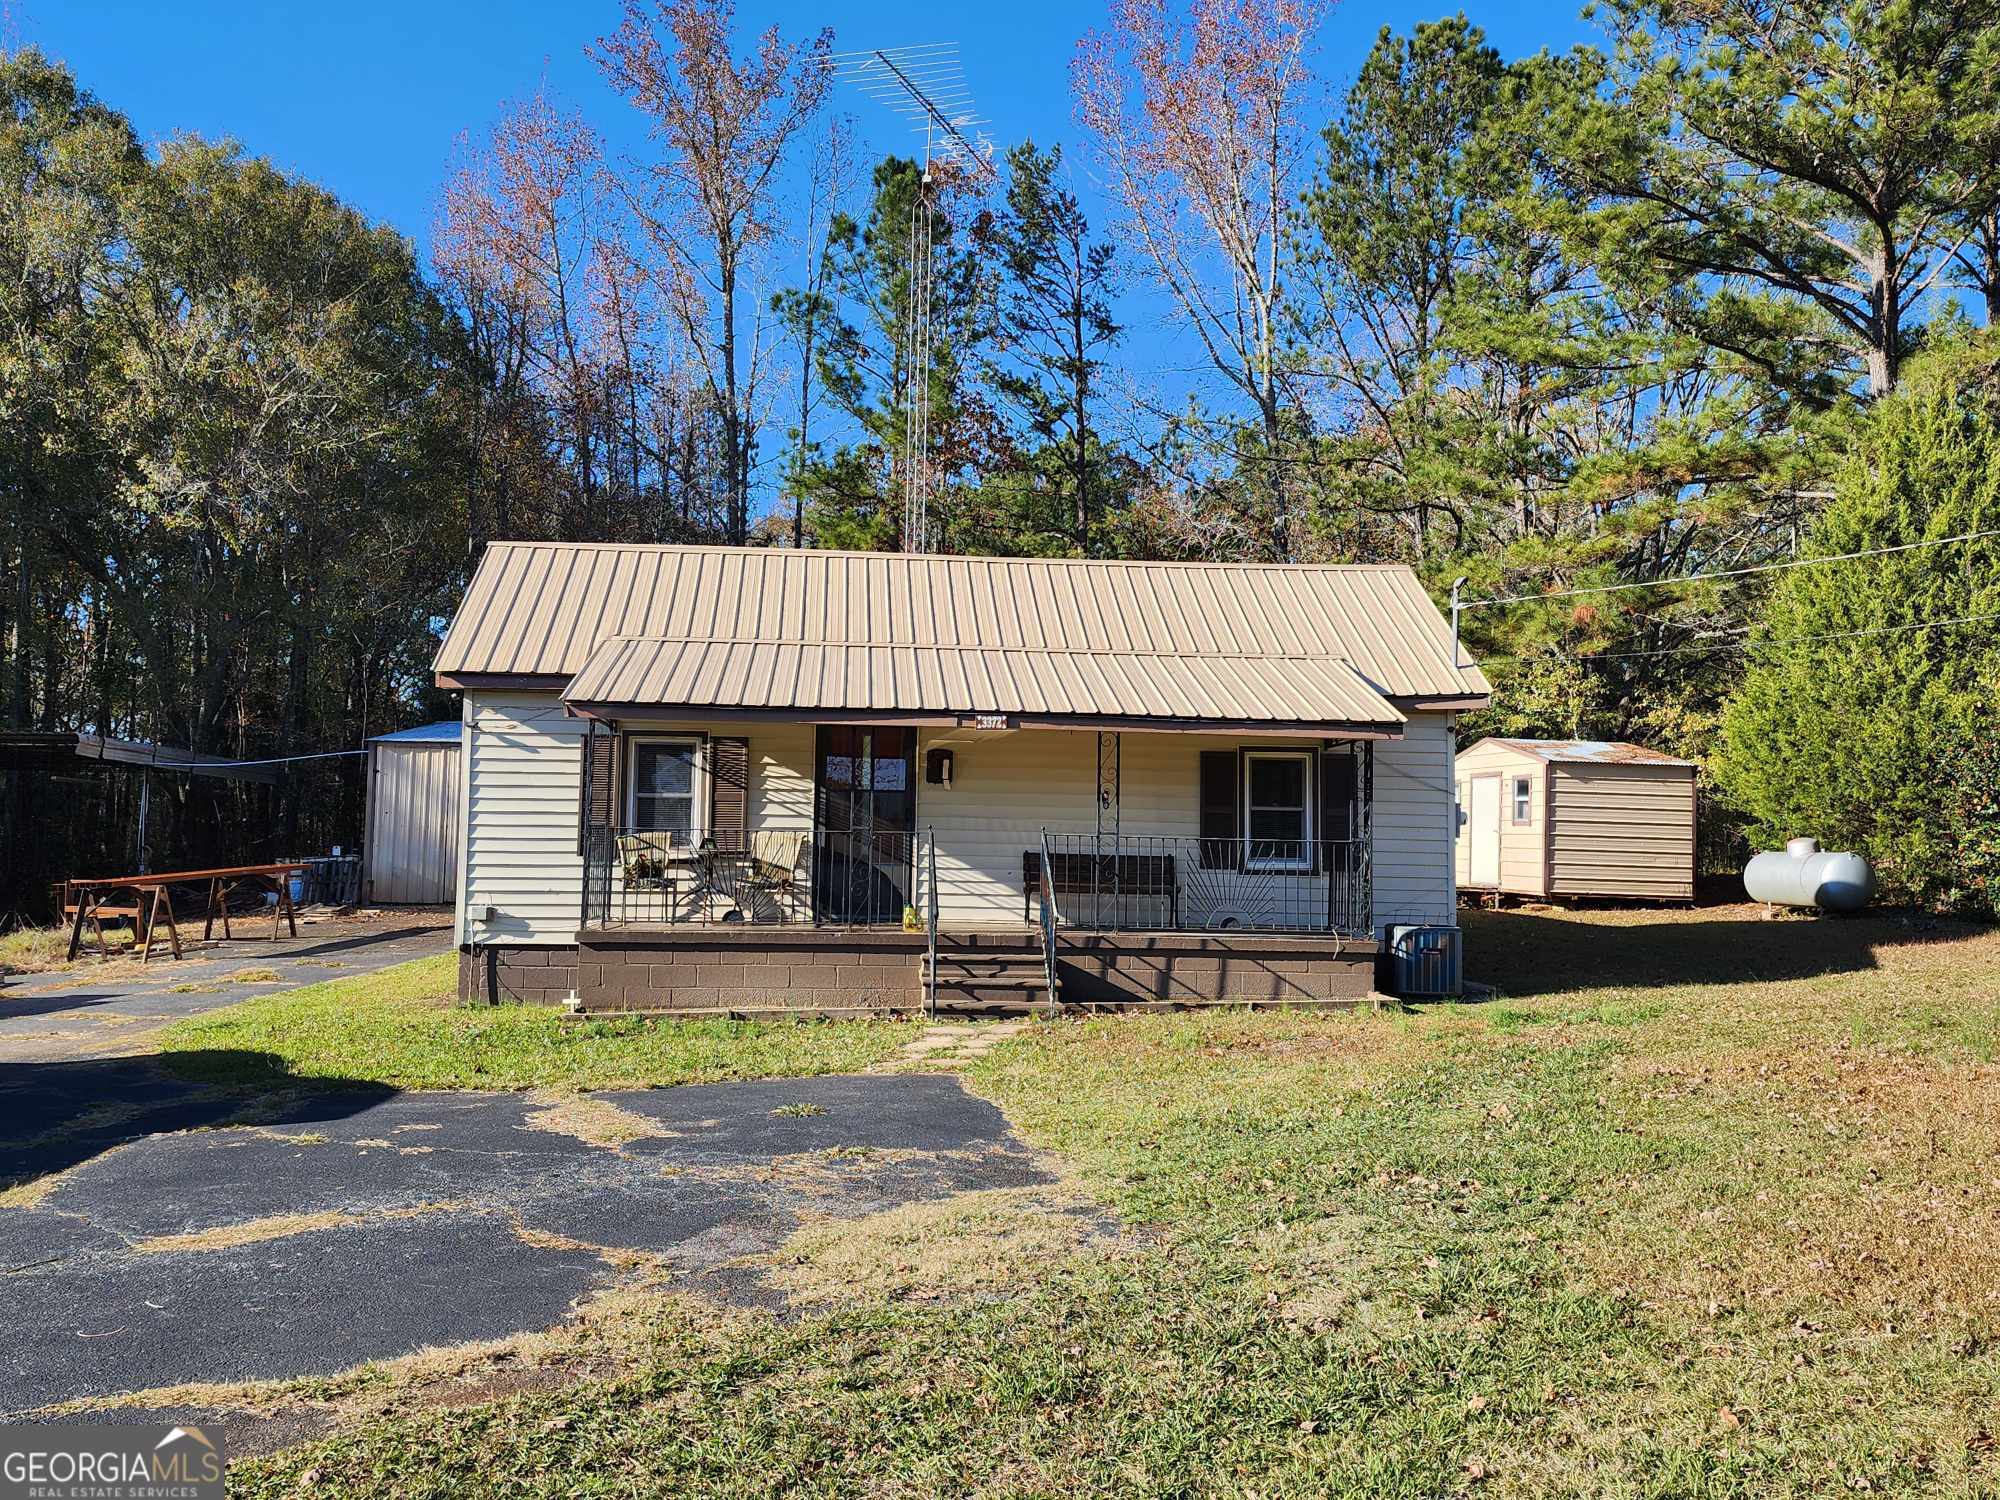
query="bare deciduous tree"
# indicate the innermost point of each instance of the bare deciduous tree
(805, 309)
(522, 244)
(1202, 124)
(723, 126)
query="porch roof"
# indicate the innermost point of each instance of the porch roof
(629, 675)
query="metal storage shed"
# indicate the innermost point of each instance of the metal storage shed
(410, 850)
(1575, 818)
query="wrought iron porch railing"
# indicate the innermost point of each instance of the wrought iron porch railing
(1138, 883)
(780, 877)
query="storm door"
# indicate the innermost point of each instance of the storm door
(864, 822)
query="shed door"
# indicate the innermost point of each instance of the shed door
(1483, 830)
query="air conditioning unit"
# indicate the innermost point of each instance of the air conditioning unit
(1427, 960)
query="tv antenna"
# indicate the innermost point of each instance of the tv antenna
(926, 85)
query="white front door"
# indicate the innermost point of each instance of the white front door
(1483, 828)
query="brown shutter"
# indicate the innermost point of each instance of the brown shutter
(598, 783)
(1221, 803)
(1341, 787)
(729, 793)
(1339, 792)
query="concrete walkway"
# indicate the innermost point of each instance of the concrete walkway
(946, 1046)
(115, 1011)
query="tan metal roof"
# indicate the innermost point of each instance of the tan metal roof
(1590, 752)
(627, 672)
(1061, 629)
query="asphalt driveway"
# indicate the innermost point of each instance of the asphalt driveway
(113, 1012)
(436, 1218)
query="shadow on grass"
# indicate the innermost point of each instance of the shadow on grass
(1554, 953)
(54, 1115)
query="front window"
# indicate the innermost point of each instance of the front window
(666, 785)
(1277, 796)
(1523, 800)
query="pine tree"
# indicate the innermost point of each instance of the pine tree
(1856, 715)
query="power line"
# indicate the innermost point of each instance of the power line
(1755, 645)
(158, 764)
(1660, 583)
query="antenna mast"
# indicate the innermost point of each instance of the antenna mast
(926, 86)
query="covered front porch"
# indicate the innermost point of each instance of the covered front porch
(878, 825)
(864, 867)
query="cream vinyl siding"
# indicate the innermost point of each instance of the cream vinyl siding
(1414, 825)
(524, 768)
(523, 762)
(1622, 831)
(1005, 789)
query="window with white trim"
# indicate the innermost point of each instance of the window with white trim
(1524, 802)
(1277, 805)
(664, 793)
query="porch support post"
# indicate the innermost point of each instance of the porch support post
(586, 836)
(1109, 746)
(1366, 833)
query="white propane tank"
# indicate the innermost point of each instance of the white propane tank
(1802, 874)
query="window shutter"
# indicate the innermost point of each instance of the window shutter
(1221, 803)
(1339, 793)
(729, 793)
(599, 783)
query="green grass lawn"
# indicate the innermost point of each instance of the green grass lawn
(1705, 1206)
(398, 1027)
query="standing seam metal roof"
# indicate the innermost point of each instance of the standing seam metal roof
(798, 627)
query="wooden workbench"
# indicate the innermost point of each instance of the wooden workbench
(93, 900)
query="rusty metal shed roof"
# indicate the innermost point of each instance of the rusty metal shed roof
(1589, 752)
(1215, 641)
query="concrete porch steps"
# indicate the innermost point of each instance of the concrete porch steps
(987, 977)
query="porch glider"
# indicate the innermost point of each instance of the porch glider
(629, 676)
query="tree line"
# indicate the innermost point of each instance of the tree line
(1621, 315)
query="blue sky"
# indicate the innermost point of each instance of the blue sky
(367, 97)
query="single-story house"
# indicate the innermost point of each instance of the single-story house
(1580, 818)
(749, 779)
